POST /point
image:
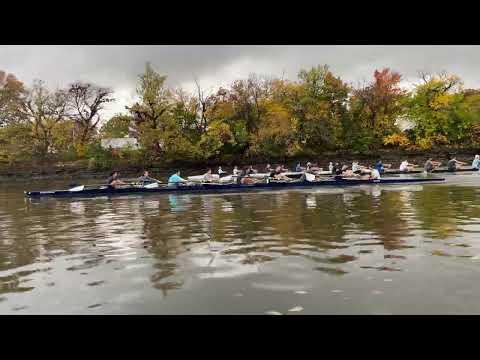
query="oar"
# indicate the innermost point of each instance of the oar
(76, 187)
(136, 180)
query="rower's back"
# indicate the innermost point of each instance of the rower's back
(452, 165)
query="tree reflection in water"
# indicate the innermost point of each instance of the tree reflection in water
(184, 237)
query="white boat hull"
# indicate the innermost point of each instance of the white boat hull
(200, 178)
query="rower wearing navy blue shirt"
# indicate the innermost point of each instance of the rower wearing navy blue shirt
(299, 168)
(379, 167)
(114, 181)
(146, 179)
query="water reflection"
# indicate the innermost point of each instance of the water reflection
(173, 200)
(277, 239)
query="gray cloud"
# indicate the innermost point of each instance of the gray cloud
(119, 66)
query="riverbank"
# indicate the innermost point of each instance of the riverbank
(81, 169)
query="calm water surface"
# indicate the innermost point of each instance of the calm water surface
(367, 250)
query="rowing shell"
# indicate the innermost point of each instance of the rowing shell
(227, 188)
(418, 171)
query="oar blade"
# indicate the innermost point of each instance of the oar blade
(77, 188)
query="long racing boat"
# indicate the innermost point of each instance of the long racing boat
(419, 171)
(85, 191)
(297, 175)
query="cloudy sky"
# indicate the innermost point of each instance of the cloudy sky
(119, 66)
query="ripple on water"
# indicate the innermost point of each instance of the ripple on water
(335, 271)
(273, 242)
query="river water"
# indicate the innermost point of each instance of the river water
(410, 249)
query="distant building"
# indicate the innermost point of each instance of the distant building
(119, 143)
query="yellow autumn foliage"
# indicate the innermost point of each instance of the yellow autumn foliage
(396, 140)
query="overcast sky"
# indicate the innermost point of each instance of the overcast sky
(118, 66)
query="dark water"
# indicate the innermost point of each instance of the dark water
(368, 250)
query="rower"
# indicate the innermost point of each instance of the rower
(476, 162)
(430, 165)
(281, 168)
(337, 169)
(379, 166)
(452, 164)
(221, 172)
(337, 172)
(146, 179)
(278, 173)
(238, 175)
(313, 167)
(250, 170)
(175, 179)
(356, 168)
(114, 180)
(208, 175)
(405, 166)
(330, 167)
(299, 168)
(271, 171)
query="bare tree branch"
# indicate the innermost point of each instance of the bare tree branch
(85, 103)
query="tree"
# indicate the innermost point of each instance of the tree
(472, 103)
(11, 91)
(85, 103)
(314, 80)
(276, 136)
(117, 126)
(438, 109)
(379, 104)
(215, 139)
(318, 106)
(16, 142)
(44, 110)
(247, 97)
(226, 109)
(185, 112)
(204, 103)
(151, 112)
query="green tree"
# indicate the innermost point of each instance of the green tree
(438, 109)
(217, 137)
(318, 106)
(189, 115)
(276, 136)
(153, 123)
(472, 104)
(16, 142)
(117, 126)
(224, 109)
(44, 109)
(247, 97)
